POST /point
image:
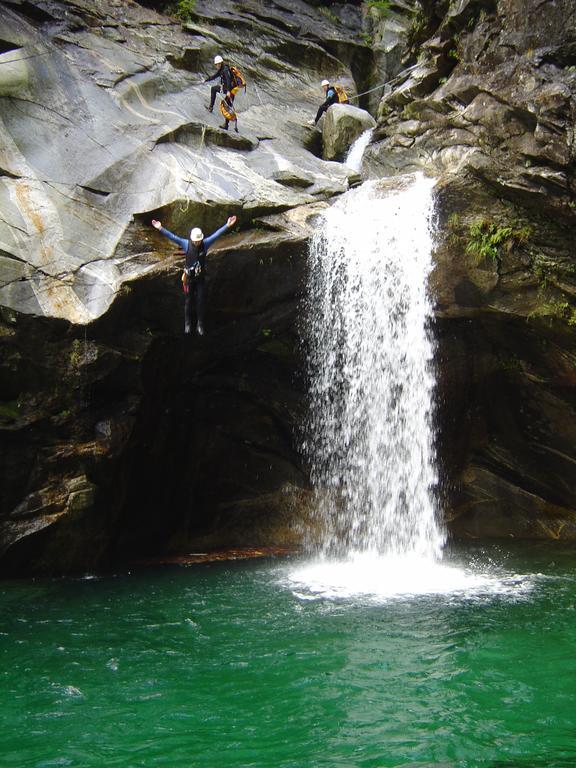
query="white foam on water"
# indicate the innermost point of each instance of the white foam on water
(391, 578)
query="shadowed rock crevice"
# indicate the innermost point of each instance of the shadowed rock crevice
(214, 439)
(6, 46)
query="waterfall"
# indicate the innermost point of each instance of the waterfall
(356, 151)
(368, 433)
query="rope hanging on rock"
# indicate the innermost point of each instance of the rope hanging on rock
(386, 82)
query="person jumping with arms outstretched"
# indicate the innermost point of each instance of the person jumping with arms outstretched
(194, 275)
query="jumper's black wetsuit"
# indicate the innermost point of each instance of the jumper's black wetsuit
(195, 269)
(195, 273)
(227, 81)
(331, 98)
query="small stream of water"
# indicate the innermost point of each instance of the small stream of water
(356, 151)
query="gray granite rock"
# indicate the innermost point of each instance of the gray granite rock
(102, 119)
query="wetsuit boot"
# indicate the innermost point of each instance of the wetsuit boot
(225, 126)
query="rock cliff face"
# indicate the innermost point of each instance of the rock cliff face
(120, 437)
(490, 108)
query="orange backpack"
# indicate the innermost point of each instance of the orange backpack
(239, 77)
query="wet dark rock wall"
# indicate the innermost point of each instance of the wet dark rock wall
(132, 439)
(489, 107)
(121, 437)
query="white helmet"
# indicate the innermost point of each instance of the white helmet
(196, 235)
(218, 60)
(325, 82)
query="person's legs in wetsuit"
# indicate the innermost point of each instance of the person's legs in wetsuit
(188, 309)
(197, 287)
(213, 92)
(200, 288)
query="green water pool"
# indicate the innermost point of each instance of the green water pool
(269, 664)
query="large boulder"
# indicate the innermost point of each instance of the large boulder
(342, 125)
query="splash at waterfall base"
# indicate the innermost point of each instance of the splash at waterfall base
(369, 434)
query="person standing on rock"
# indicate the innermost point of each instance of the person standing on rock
(194, 274)
(229, 87)
(334, 95)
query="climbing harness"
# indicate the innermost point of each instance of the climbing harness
(189, 274)
(198, 252)
(195, 270)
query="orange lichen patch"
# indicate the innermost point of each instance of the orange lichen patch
(23, 196)
(219, 555)
(58, 294)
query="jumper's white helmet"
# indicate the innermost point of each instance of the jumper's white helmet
(218, 59)
(196, 235)
(325, 82)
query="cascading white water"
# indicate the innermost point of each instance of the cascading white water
(369, 432)
(356, 151)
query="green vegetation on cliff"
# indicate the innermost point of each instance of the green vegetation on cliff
(490, 240)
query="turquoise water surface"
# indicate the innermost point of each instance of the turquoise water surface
(281, 664)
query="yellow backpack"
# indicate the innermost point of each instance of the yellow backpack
(342, 95)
